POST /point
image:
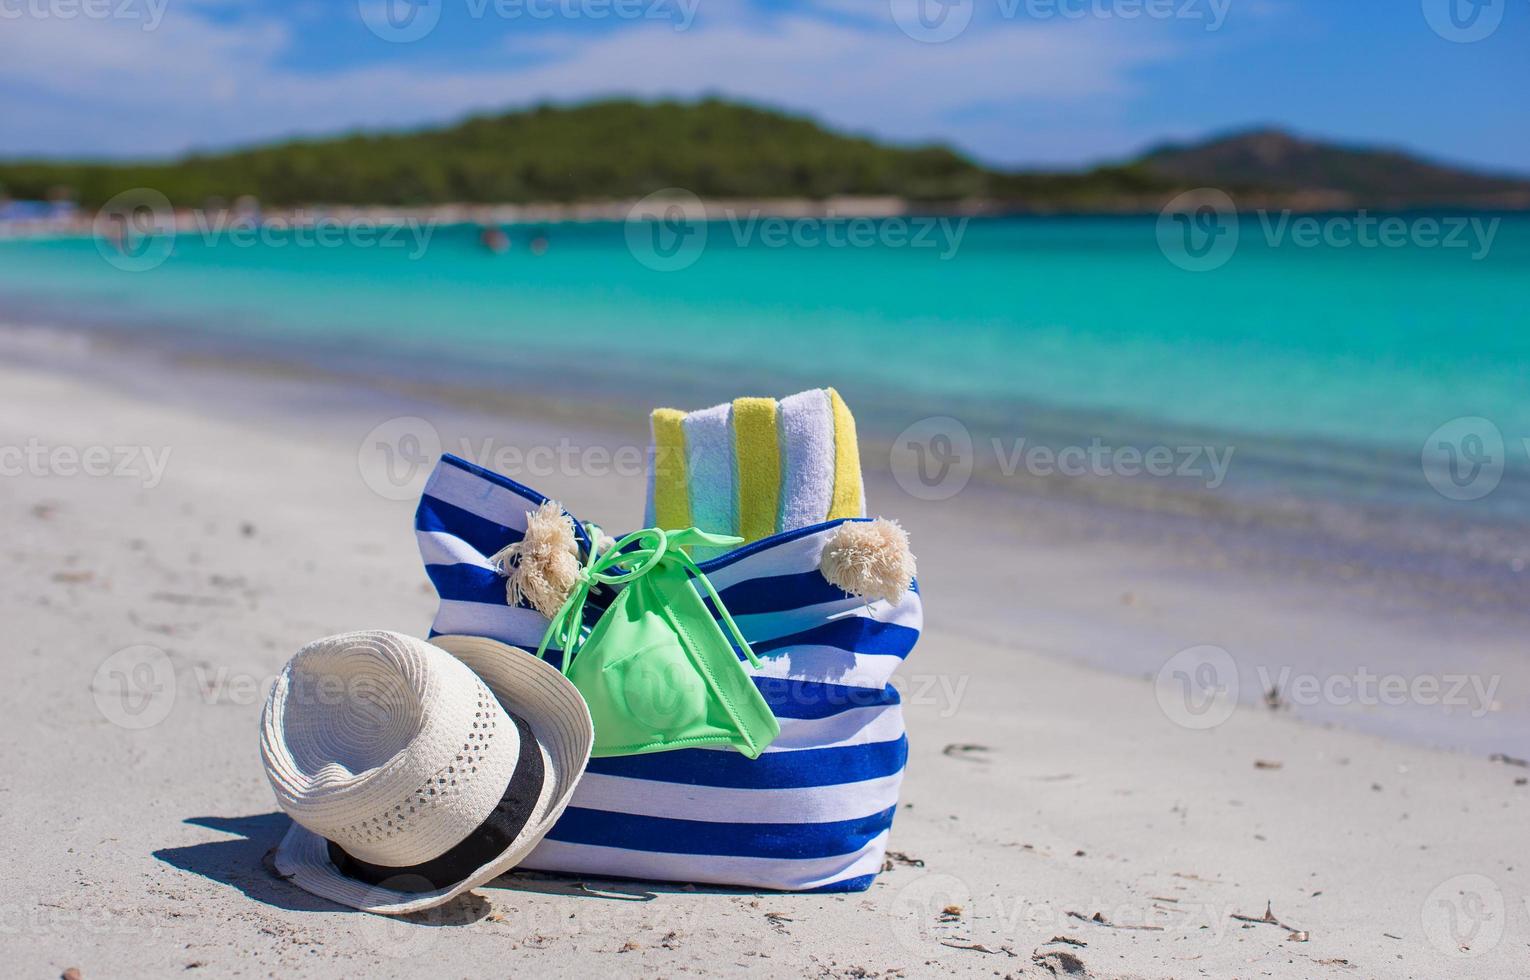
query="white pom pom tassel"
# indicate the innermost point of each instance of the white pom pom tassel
(870, 559)
(543, 567)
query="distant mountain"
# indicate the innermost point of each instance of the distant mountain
(622, 149)
(1271, 160)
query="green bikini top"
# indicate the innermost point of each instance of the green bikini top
(657, 670)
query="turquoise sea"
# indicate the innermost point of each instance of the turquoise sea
(1328, 363)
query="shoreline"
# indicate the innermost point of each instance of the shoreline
(1159, 564)
(195, 220)
(1059, 806)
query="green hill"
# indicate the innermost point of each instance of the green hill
(622, 149)
(602, 150)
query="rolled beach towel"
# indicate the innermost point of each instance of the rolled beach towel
(755, 466)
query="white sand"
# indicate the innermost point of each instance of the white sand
(137, 851)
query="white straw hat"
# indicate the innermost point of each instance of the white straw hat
(414, 771)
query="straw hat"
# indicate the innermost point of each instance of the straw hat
(415, 771)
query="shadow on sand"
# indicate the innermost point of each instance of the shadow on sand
(243, 861)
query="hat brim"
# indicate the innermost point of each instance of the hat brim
(529, 688)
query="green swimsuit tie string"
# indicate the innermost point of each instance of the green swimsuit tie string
(660, 669)
(626, 560)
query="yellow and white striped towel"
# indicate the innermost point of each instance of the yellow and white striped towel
(756, 466)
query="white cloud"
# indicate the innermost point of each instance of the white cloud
(109, 86)
(853, 77)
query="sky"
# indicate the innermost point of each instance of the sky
(1016, 83)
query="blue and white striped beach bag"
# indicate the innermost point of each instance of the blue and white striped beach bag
(814, 811)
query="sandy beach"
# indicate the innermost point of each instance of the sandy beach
(174, 535)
